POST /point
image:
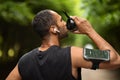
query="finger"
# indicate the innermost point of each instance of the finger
(76, 19)
(80, 19)
(77, 32)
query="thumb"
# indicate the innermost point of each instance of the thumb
(76, 32)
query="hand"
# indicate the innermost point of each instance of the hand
(84, 27)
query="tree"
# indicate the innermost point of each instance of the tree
(104, 15)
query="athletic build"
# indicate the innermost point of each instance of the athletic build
(51, 28)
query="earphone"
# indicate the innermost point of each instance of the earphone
(56, 30)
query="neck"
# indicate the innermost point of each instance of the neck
(49, 41)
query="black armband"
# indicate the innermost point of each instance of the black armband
(96, 56)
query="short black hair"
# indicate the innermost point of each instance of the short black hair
(42, 22)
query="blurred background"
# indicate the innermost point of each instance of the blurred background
(17, 36)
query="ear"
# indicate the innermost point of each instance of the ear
(54, 29)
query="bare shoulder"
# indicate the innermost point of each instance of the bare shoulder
(77, 58)
(76, 49)
(14, 74)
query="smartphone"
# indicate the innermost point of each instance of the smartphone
(94, 54)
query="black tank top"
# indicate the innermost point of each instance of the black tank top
(52, 64)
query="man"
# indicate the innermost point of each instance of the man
(50, 61)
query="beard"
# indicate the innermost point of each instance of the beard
(63, 33)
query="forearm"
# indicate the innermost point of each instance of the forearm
(14, 75)
(99, 41)
(84, 27)
(102, 44)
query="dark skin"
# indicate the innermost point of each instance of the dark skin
(56, 32)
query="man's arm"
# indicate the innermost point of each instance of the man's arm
(104, 45)
(84, 27)
(14, 75)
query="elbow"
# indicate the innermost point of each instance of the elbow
(114, 57)
(115, 62)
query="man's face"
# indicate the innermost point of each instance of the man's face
(61, 25)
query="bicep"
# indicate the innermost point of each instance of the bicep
(14, 74)
(78, 59)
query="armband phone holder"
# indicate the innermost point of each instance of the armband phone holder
(96, 56)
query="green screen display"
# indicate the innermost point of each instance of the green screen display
(96, 54)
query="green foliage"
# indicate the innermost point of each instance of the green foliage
(104, 16)
(51, 4)
(105, 11)
(17, 12)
